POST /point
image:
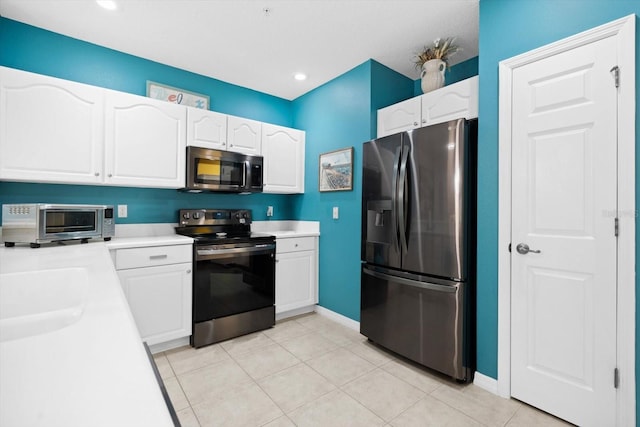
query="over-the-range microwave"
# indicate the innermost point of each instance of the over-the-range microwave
(223, 171)
(37, 223)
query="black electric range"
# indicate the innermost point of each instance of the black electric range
(234, 274)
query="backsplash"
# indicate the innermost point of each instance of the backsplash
(146, 205)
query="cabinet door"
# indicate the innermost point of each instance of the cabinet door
(206, 129)
(459, 100)
(160, 301)
(145, 141)
(244, 135)
(296, 280)
(283, 151)
(399, 117)
(50, 129)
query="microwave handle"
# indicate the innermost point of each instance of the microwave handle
(246, 172)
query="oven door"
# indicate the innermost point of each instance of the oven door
(233, 279)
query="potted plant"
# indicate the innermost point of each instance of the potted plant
(433, 60)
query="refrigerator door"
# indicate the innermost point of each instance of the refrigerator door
(380, 169)
(435, 202)
(421, 320)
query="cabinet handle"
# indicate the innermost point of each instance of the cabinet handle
(277, 260)
(157, 256)
(295, 245)
(424, 120)
(110, 175)
(97, 174)
(415, 123)
(189, 271)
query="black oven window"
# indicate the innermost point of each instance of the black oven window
(66, 222)
(233, 284)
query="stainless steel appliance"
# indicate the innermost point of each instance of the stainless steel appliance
(418, 245)
(37, 223)
(223, 171)
(234, 274)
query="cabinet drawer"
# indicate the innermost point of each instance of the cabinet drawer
(295, 244)
(150, 256)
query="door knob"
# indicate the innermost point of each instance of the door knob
(523, 249)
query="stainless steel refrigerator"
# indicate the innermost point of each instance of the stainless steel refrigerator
(418, 245)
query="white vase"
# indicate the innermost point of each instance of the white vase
(432, 75)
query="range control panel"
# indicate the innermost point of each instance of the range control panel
(192, 217)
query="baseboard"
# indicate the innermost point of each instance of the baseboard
(486, 383)
(169, 345)
(339, 318)
(295, 312)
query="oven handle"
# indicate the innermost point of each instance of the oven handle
(220, 253)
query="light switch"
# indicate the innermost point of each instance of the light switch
(269, 210)
(335, 212)
(122, 211)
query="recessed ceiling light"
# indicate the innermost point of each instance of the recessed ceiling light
(107, 4)
(300, 76)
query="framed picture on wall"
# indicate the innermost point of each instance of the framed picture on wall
(336, 170)
(177, 96)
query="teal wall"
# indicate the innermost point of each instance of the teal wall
(509, 28)
(336, 115)
(33, 49)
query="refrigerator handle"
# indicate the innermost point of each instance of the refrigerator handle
(394, 198)
(402, 203)
(409, 282)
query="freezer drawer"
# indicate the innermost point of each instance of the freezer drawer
(422, 321)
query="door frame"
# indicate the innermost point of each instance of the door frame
(624, 31)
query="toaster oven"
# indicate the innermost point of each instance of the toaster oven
(37, 223)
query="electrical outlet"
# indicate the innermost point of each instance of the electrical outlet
(335, 212)
(122, 211)
(269, 210)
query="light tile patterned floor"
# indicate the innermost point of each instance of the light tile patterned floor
(311, 371)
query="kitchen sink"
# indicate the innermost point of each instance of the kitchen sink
(38, 302)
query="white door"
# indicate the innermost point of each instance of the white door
(563, 307)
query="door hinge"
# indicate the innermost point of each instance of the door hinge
(616, 75)
(616, 227)
(616, 378)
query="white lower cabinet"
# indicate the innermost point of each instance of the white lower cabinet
(296, 273)
(157, 284)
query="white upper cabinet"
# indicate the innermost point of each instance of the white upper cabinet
(451, 102)
(399, 117)
(51, 130)
(145, 141)
(206, 129)
(244, 135)
(458, 100)
(283, 151)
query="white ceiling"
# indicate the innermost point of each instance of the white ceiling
(236, 41)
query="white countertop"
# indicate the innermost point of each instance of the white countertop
(92, 372)
(287, 229)
(139, 242)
